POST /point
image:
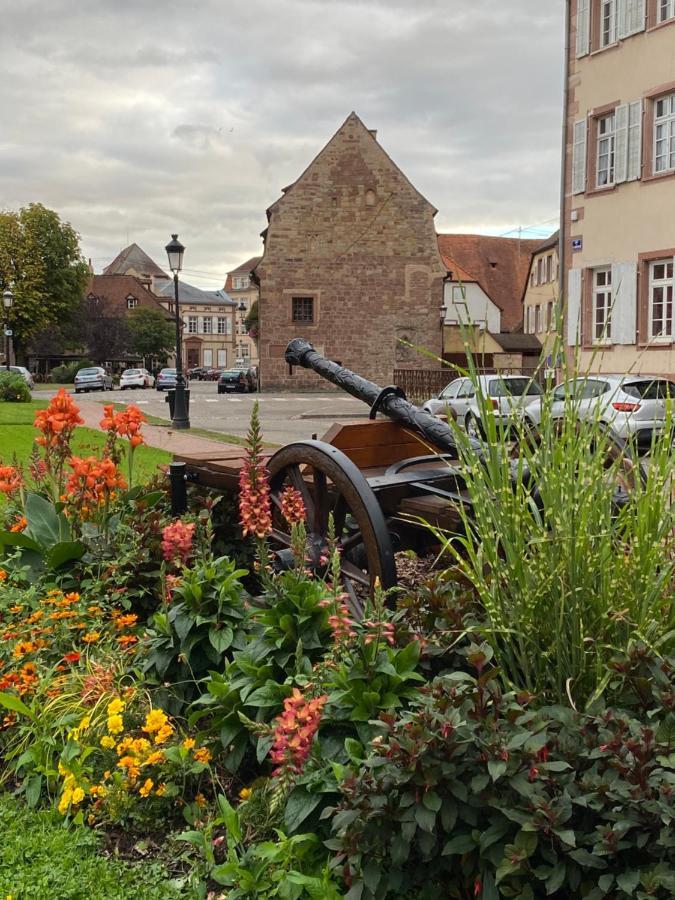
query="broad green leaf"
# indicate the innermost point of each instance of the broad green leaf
(9, 701)
(221, 638)
(45, 524)
(299, 805)
(63, 552)
(459, 845)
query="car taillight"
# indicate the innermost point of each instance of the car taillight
(626, 407)
(495, 403)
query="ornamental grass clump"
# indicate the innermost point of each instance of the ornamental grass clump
(569, 544)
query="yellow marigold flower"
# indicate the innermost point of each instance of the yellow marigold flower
(203, 755)
(107, 742)
(155, 758)
(161, 790)
(140, 745)
(155, 720)
(92, 637)
(164, 734)
(125, 744)
(245, 793)
(115, 724)
(85, 723)
(64, 802)
(147, 787)
(78, 795)
(188, 743)
(98, 790)
(116, 706)
(106, 775)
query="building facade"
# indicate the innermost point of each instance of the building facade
(351, 263)
(209, 317)
(619, 185)
(241, 287)
(540, 299)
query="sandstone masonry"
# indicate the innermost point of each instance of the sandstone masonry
(351, 263)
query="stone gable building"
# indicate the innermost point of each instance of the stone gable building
(351, 263)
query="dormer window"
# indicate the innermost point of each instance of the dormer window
(132, 302)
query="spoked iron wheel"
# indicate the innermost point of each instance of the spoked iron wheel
(330, 483)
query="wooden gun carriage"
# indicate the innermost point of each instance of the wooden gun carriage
(380, 480)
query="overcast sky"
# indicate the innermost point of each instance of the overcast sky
(137, 119)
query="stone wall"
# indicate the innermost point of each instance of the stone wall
(355, 236)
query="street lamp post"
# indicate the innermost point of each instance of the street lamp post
(180, 419)
(7, 300)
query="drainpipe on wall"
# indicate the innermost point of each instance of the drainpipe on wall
(562, 255)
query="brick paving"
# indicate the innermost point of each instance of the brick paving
(164, 438)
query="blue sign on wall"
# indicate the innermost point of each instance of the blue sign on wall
(577, 243)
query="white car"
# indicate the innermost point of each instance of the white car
(632, 406)
(503, 394)
(136, 378)
(25, 374)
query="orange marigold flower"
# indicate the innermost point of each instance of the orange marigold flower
(91, 637)
(127, 621)
(188, 743)
(11, 480)
(127, 640)
(147, 787)
(24, 647)
(203, 755)
(164, 734)
(19, 524)
(3, 575)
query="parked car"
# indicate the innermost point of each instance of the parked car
(136, 378)
(213, 374)
(198, 372)
(632, 406)
(166, 380)
(93, 378)
(25, 374)
(503, 395)
(232, 380)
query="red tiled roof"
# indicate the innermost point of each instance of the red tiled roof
(244, 269)
(499, 265)
(112, 292)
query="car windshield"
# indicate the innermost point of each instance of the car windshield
(233, 372)
(89, 372)
(514, 387)
(131, 372)
(651, 390)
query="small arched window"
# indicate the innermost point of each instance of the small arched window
(370, 197)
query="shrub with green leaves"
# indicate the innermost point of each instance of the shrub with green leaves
(13, 387)
(475, 793)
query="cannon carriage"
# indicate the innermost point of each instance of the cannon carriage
(378, 481)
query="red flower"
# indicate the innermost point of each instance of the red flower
(58, 421)
(72, 657)
(294, 731)
(10, 480)
(177, 541)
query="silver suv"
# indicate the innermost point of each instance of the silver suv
(94, 378)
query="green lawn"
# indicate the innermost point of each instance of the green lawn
(17, 435)
(43, 859)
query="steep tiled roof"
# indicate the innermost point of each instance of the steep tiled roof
(500, 265)
(132, 257)
(549, 243)
(513, 342)
(187, 293)
(112, 291)
(244, 269)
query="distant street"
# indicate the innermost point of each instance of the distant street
(284, 417)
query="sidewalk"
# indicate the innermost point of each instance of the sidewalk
(164, 438)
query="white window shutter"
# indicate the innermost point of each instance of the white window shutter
(624, 302)
(573, 306)
(622, 16)
(621, 143)
(634, 160)
(583, 27)
(579, 158)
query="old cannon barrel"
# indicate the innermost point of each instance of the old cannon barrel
(300, 352)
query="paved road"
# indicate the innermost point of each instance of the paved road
(285, 417)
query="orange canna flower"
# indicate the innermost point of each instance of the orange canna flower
(11, 480)
(19, 524)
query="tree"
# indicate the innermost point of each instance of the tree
(252, 323)
(150, 332)
(105, 336)
(40, 260)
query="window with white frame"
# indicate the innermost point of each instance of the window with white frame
(666, 10)
(661, 300)
(132, 302)
(607, 22)
(664, 133)
(602, 305)
(192, 324)
(537, 319)
(207, 325)
(222, 325)
(606, 144)
(241, 282)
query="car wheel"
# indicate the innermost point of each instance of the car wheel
(473, 427)
(77, 390)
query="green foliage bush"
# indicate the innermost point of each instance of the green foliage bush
(472, 792)
(13, 387)
(65, 374)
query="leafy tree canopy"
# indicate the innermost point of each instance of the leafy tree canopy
(252, 322)
(40, 259)
(151, 333)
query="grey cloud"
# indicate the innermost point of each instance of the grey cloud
(147, 117)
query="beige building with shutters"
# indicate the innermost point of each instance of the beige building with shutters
(618, 225)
